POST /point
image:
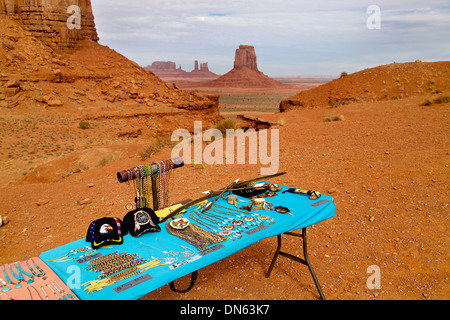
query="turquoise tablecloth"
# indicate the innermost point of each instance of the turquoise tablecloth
(305, 212)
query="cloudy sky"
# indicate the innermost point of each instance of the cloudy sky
(291, 37)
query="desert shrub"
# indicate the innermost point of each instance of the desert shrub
(225, 124)
(79, 167)
(84, 124)
(197, 165)
(436, 100)
(107, 159)
(160, 143)
(441, 99)
(334, 104)
(281, 122)
(334, 117)
(427, 102)
(343, 74)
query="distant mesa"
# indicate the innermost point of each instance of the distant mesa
(168, 70)
(245, 73)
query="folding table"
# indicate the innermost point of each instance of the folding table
(305, 212)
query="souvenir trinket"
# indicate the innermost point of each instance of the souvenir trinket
(313, 195)
(179, 223)
(281, 209)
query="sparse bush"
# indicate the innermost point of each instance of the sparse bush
(79, 167)
(335, 104)
(343, 74)
(441, 99)
(160, 143)
(333, 117)
(281, 122)
(197, 165)
(84, 124)
(436, 100)
(107, 159)
(225, 124)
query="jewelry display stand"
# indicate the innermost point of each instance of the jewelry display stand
(132, 174)
(154, 170)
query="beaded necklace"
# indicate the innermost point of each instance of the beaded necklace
(42, 272)
(165, 167)
(112, 263)
(120, 267)
(196, 236)
(87, 249)
(96, 285)
(227, 227)
(142, 183)
(142, 186)
(57, 286)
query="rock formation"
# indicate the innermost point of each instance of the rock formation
(245, 73)
(56, 23)
(168, 70)
(245, 57)
(165, 69)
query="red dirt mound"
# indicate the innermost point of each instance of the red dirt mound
(244, 78)
(386, 82)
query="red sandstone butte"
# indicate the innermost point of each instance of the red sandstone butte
(245, 73)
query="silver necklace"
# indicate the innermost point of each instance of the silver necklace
(167, 260)
(188, 252)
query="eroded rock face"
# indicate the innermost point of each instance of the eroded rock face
(55, 22)
(245, 57)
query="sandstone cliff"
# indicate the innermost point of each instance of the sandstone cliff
(53, 22)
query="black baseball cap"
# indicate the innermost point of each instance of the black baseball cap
(141, 220)
(105, 231)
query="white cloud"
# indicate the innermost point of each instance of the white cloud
(297, 34)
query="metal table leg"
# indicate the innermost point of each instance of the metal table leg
(191, 285)
(304, 261)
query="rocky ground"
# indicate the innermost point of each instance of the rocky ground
(385, 165)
